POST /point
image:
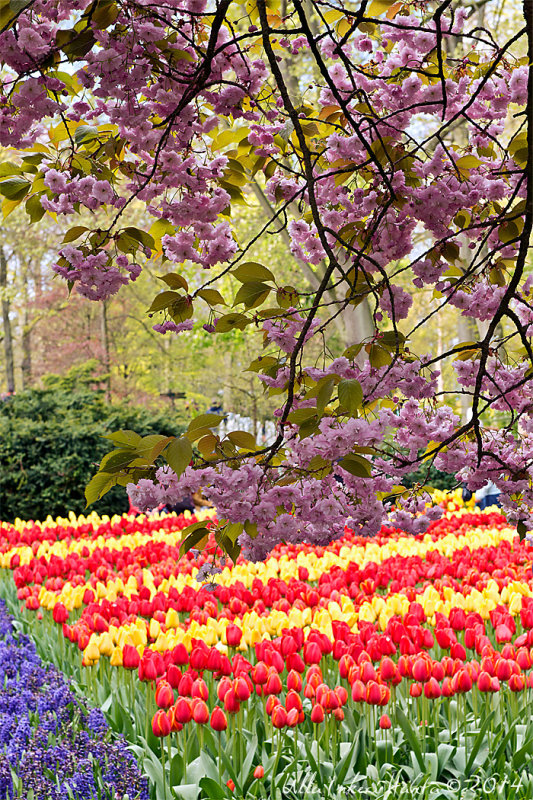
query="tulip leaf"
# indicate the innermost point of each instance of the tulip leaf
(411, 737)
(480, 738)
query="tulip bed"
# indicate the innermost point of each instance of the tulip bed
(394, 664)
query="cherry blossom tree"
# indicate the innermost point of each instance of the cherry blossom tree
(399, 154)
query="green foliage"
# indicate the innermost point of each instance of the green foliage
(430, 476)
(51, 440)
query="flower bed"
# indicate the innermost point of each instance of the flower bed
(400, 654)
(53, 747)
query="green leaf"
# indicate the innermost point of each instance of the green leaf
(480, 738)
(251, 271)
(140, 236)
(507, 232)
(301, 415)
(164, 300)
(175, 281)
(324, 394)
(243, 439)
(230, 321)
(233, 530)
(105, 14)
(181, 309)
(521, 530)
(378, 356)
(356, 465)
(252, 294)
(34, 208)
(74, 233)
(233, 550)
(287, 296)
(411, 737)
(205, 421)
(212, 789)
(85, 133)
(14, 188)
(212, 297)
(262, 363)
(124, 438)
(178, 454)
(350, 395)
(160, 228)
(192, 539)
(99, 485)
(116, 460)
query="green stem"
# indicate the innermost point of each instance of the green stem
(164, 771)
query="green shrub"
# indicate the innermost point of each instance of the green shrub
(51, 442)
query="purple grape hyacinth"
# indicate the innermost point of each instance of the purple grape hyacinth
(51, 746)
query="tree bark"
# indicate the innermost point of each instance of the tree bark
(104, 328)
(25, 364)
(8, 335)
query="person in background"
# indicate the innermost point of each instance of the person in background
(488, 495)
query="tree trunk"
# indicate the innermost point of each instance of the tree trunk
(26, 350)
(226, 396)
(8, 336)
(104, 328)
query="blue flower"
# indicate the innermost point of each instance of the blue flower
(50, 740)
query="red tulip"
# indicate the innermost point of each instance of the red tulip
(161, 724)
(218, 719)
(200, 712)
(294, 681)
(385, 722)
(186, 684)
(312, 653)
(183, 712)
(317, 714)
(260, 673)
(164, 696)
(279, 717)
(180, 655)
(199, 689)
(224, 686)
(503, 669)
(259, 772)
(293, 700)
(231, 702)
(517, 683)
(242, 688)
(432, 689)
(60, 613)
(273, 684)
(233, 635)
(271, 703)
(292, 718)
(416, 689)
(130, 657)
(503, 633)
(358, 691)
(447, 689)
(422, 669)
(484, 682)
